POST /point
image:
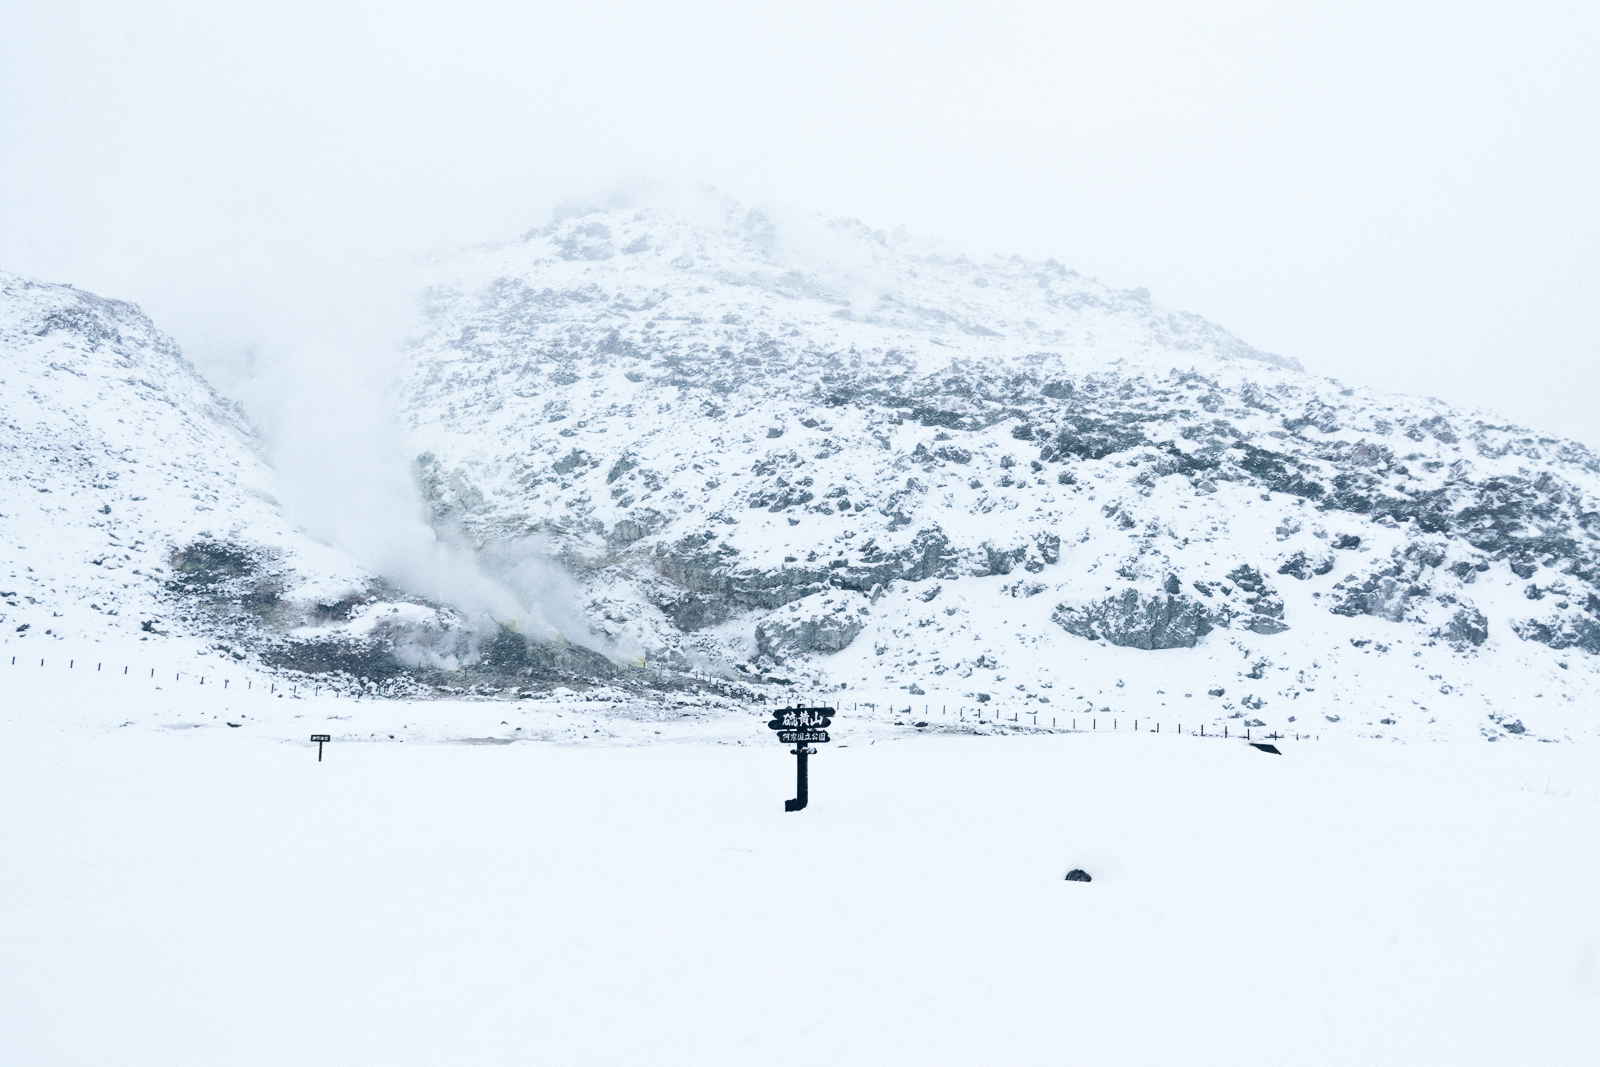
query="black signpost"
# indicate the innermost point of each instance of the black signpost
(801, 727)
(319, 739)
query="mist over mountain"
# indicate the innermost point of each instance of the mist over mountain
(659, 449)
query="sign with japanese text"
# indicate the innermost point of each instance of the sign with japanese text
(801, 727)
(801, 719)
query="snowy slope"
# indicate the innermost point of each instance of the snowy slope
(833, 460)
(136, 505)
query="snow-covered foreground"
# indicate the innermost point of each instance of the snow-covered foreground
(210, 896)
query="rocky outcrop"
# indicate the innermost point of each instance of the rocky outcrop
(706, 583)
(1261, 610)
(1134, 620)
(1580, 632)
(822, 622)
(1381, 595)
(1468, 628)
(1391, 590)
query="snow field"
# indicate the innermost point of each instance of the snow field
(216, 896)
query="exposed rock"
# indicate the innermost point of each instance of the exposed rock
(1382, 596)
(1078, 875)
(1301, 567)
(1134, 620)
(822, 622)
(1579, 631)
(1263, 612)
(1468, 628)
(1264, 624)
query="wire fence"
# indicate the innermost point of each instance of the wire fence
(271, 687)
(1090, 723)
(977, 715)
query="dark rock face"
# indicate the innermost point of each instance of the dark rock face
(1077, 874)
(1580, 631)
(1392, 590)
(1133, 620)
(232, 581)
(1002, 562)
(707, 586)
(1468, 628)
(1171, 619)
(1384, 596)
(825, 622)
(1095, 438)
(1263, 612)
(776, 639)
(1302, 567)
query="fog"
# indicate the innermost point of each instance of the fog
(318, 379)
(1398, 195)
(1403, 195)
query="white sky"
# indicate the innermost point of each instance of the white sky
(1399, 194)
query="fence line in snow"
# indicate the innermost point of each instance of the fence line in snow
(979, 713)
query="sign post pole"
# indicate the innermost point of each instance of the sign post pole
(319, 739)
(800, 784)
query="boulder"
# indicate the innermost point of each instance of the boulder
(1468, 628)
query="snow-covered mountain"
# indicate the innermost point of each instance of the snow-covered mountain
(817, 460)
(836, 460)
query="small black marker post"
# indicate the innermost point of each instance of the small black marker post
(319, 739)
